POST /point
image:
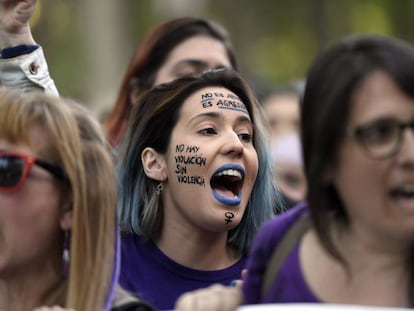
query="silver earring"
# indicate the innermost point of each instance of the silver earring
(159, 188)
(65, 254)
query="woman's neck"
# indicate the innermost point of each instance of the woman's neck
(376, 272)
(197, 249)
(29, 290)
(370, 250)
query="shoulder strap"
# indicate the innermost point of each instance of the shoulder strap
(280, 253)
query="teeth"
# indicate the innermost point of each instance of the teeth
(230, 172)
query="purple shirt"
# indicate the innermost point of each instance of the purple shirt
(157, 279)
(289, 284)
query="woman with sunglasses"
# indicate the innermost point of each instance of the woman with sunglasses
(353, 241)
(58, 237)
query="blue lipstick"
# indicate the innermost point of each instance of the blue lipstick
(232, 171)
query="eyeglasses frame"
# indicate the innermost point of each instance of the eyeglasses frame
(356, 132)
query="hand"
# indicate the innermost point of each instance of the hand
(215, 297)
(14, 22)
(239, 283)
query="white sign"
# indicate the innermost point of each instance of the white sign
(314, 307)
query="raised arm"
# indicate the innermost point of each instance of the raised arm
(22, 62)
(14, 22)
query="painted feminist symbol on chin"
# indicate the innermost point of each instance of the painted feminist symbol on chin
(229, 216)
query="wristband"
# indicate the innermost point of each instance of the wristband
(17, 50)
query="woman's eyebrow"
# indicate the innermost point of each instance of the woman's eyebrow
(218, 115)
(196, 63)
(210, 114)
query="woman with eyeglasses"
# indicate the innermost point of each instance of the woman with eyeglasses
(358, 111)
(58, 236)
(353, 241)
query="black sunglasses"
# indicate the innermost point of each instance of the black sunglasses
(14, 168)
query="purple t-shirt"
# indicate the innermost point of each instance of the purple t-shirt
(157, 279)
(289, 284)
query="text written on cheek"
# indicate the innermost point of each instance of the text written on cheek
(184, 160)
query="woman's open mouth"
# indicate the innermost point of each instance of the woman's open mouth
(403, 195)
(226, 184)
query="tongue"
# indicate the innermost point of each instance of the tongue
(225, 192)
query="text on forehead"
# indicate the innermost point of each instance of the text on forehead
(225, 101)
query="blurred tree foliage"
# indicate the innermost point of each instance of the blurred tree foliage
(88, 42)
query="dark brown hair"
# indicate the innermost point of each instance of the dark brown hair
(150, 56)
(331, 83)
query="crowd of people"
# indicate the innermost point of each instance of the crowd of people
(194, 195)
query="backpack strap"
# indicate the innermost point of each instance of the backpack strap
(288, 241)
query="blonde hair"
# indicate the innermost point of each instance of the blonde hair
(77, 144)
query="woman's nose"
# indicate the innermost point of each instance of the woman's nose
(406, 154)
(232, 144)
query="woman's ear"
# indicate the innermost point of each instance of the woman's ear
(66, 210)
(154, 164)
(66, 220)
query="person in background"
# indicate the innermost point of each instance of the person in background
(358, 159)
(48, 147)
(286, 152)
(53, 251)
(174, 48)
(171, 50)
(352, 242)
(282, 108)
(195, 184)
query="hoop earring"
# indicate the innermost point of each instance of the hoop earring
(160, 188)
(65, 253)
